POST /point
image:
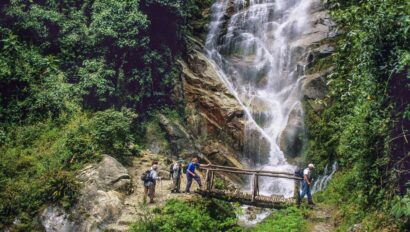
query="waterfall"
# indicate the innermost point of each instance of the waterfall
(321, 183)
(252, 45)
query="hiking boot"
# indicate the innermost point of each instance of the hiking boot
(311, 203)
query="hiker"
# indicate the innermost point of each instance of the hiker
(190, 174)
(176, 171)
(306, 184)
(150, 178)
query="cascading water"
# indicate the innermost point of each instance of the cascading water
(252, 45)
(321, 183)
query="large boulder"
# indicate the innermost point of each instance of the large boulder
(101, 199)
(107, 175)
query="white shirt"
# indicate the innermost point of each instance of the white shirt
(154, 174)
(175, 167)
(306, 172)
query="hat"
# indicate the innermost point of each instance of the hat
(311, 166)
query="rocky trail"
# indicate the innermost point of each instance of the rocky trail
(133, 203)
(320, 219)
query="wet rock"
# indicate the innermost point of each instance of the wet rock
(212, 110)
(54, 218)
(292, 137)
(252, 217)
(323, 51)
(314, 85)
(257, 148)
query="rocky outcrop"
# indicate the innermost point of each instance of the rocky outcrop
(292, 137)
(314, 85)
(313, 46)
(181, 142)
(100, 202)
(213, 113)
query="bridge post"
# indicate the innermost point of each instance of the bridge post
(207, 180)
(211, 181)
(296, 191)
(255, 186)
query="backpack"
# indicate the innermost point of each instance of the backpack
(171, 169)
(146, 176)
(184, 168)
(299, 172)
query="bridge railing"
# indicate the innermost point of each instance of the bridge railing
(212, 169)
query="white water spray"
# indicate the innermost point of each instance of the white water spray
(250, 44)
(323, 180)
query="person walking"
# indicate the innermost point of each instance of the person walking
(190, 174)
(306, 185)
(150, 178)
(176, 175)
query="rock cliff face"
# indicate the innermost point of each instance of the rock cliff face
(215, 120)
(100, 202)
(214, 117)
(314, 46)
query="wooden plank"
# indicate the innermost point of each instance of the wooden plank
(259, 174)
(245, 198)
(211, 166)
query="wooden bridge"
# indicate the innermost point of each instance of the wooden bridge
(252, 198)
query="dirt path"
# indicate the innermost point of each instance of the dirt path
(321, 219)
(133, 206)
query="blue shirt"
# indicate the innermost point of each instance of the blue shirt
(192, 167)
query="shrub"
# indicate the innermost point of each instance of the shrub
(290, 219)
(199, 215)
(111, 132)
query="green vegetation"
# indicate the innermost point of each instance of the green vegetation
(81, 78)
(199, 215)
(39, 160)
(77, 80)
(213, 215)
(290, 219)
(365, 123)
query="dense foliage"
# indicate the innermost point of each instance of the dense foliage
(198, 215)
(75, 76)
(213, 215)
(290, 219)
(366, 121)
